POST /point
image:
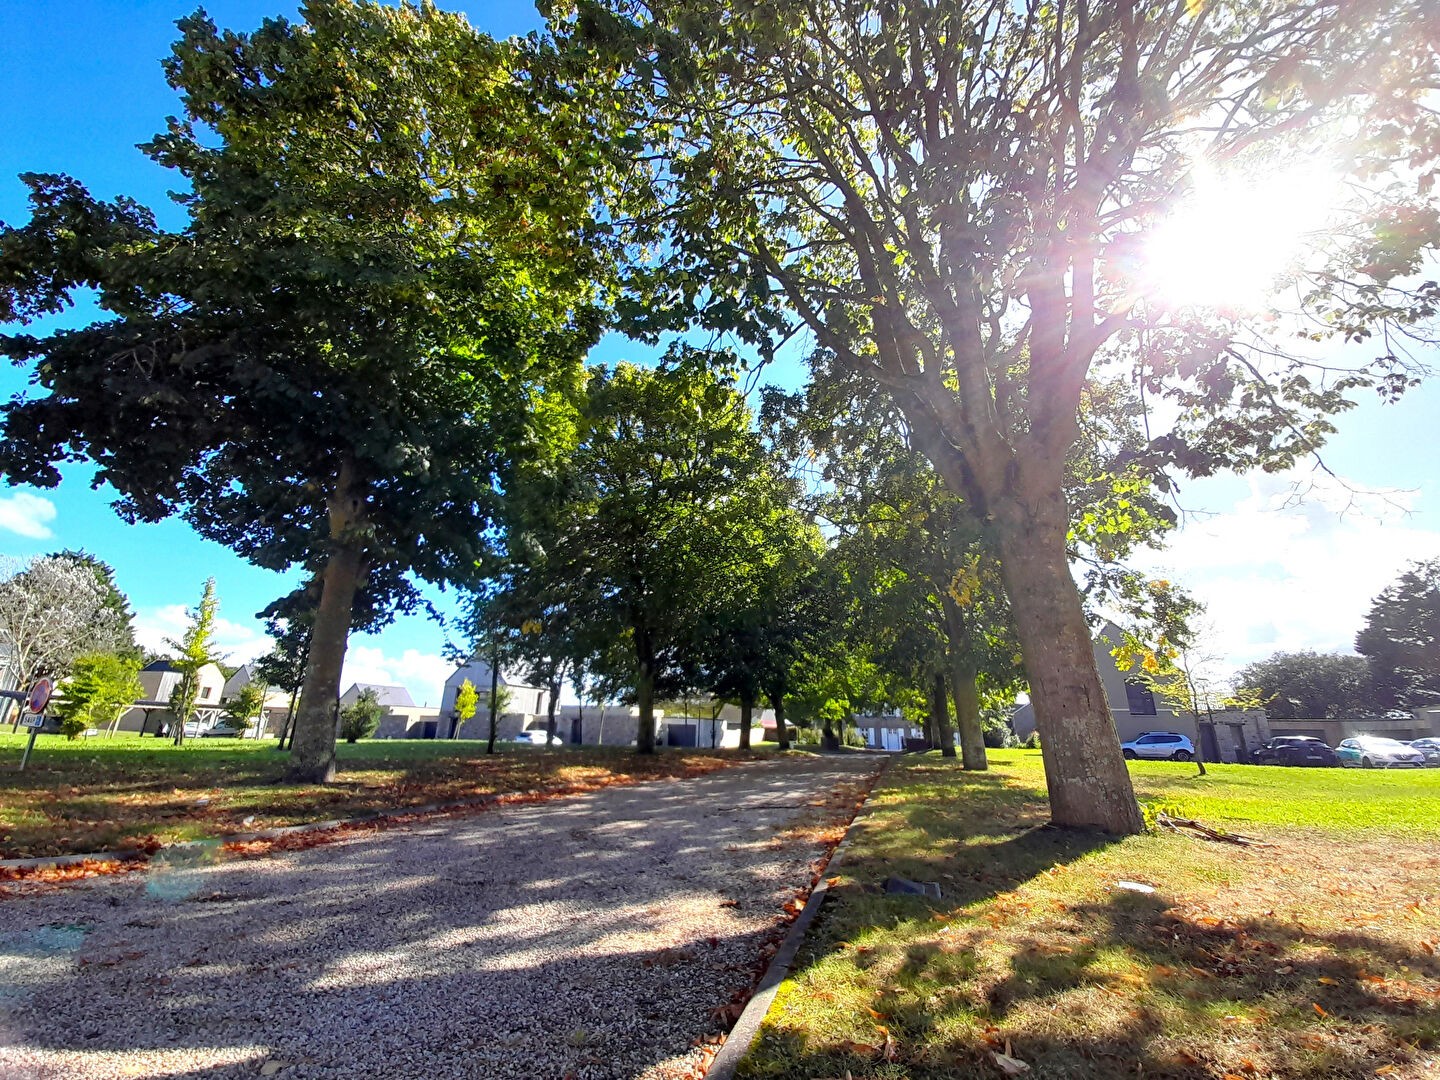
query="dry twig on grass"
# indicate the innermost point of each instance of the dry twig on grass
(1178, 824)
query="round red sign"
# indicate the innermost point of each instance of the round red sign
(39, 696)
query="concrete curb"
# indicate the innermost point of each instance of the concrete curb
(742, 1036)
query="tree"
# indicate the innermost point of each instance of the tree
(642, 530)
(955, 200)
(466, 702)
(388, 251)
(193, 651)
(1306, 684)
(52, 610)
(1401, 639)
(245, 705)
(100, 688)
(361, 719)
(289, 622)
(115, 600)
(496, 702)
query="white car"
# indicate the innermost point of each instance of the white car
(534, 738)
(1161, 745)
(1373, 752)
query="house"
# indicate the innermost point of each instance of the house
(158, 681)
(403, 719)
(272, 714)
(886, 731)
(526, 702)
(1227, 735)
(9, 679)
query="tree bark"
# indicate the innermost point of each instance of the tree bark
(941, 705)
(494, 698)
(782, 733)
(828, 739)
(967, 718)
(312, 746)
(747, 712)
(289, 718)
(962, 686)
(1088, 782)
(645, 699)
(554, 694)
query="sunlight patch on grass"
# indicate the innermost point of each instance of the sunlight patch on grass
(1312, 958)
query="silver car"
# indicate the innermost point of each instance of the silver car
(1430, 748)
(1373, 752)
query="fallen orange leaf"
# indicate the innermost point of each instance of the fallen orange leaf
(1318, 1010)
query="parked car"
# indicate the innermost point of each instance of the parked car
(1168, 745)
(1430, 748)
(534, 738)
(1295, 750)
(223, 730)
(1373, 752)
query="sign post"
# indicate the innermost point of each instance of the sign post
(35, 703)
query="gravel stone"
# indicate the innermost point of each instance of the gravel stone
(588, 938)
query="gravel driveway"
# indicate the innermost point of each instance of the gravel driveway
(587, 937)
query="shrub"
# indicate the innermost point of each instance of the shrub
(1032, 741)
(360, 720)
(995, 730)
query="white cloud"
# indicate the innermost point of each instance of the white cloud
(236, 642)
(26, 514)
(423, 674)
(1277, 573)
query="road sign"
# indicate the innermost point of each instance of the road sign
(39, 696)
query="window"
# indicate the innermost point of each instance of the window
(1140, 699)
(540, 702)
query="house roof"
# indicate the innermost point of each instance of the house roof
(388, 695)
(160, 665)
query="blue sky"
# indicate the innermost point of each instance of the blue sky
(82, 85)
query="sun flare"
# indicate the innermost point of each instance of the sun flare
(1229, 242)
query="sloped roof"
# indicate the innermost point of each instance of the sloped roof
(396, 696)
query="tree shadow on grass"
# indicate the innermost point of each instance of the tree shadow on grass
(1130, 986)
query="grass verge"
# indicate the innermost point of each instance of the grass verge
(125, 793)
(1314, 957)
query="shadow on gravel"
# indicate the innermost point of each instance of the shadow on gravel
(594, 937)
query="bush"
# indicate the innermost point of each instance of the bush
(1032, 742)
(995, 730)
(360, 720)
(74, 725)
(801, 736)
(854, 738)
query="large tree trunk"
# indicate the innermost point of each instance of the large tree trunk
(828, 739)
(312, 747)
(645, 699)
(940, 703)
(747, 712)
(962, 686)
(1088, 782)
(782, 733)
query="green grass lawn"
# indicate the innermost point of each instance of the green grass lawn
(1313, 957)
(106, 794)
